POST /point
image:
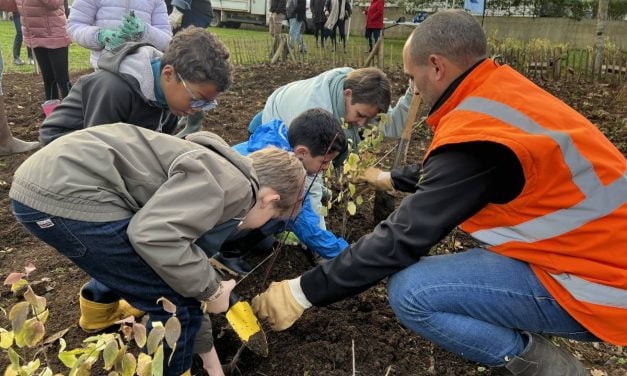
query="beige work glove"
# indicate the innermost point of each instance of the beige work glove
(377, 179)
(279, 306)
(219, 301)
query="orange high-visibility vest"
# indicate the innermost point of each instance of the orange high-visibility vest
(570, 220)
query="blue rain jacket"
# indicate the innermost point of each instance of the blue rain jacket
(306, 225)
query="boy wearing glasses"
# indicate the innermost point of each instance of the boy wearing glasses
(139, 85)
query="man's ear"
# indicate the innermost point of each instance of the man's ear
(348, 93)
(438, 65)
(300, 151)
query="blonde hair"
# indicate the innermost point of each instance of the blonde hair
(284, 173)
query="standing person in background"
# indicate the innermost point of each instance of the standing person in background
(374, 22)
(338, 11)
(319, 18)
(9, 144)
(43, 25)
(277, 16)
(295, 12)
(184, 13)
(17, 42)
(92, 22)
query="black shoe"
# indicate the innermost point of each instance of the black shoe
(235, 266)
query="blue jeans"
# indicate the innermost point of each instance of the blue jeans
(295, 34)
(17, 41)
(103, 250)
(476, 303)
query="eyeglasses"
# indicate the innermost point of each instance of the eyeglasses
(195, 103)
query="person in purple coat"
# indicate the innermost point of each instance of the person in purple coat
(93, 23)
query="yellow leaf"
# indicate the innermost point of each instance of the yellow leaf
(19, 285)
(172, 331)
(109, 354)
(351, 208)
(6, 338)
(139, 333)
(34, 332)
(154, 338)
(129, 364)
(359, 200)
(144, 365)
(31, 367)
(168, 306)
(18, 315)
(157, 362)
(11, 371)
(37, 302)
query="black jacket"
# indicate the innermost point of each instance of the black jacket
(278, 6)
(107, 96)
(317, 10)
(454, 183)
(296, 9)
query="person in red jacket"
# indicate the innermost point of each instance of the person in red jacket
(374, 22)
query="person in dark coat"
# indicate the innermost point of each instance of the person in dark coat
(319, 18)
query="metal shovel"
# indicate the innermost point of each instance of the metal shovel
(384, 203)
(242, 319)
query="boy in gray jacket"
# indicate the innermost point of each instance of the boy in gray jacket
(126, 205)
(138, 84)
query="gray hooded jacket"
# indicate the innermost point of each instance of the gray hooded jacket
(173, 190)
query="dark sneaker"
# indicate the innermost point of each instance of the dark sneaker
(236, 266)
(18, 61)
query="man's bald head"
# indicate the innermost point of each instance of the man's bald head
(453, 34)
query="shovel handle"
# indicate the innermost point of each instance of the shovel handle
(233, 299)
(401, 152)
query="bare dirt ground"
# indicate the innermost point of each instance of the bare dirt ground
(321, 342)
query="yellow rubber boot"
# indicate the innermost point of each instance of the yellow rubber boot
(98, 316)
(187, 373)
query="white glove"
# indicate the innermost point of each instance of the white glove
(175, 18)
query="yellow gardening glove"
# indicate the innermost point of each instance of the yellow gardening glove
(377, 179)
(278, 306)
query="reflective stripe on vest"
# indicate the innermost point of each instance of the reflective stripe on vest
(599, 201)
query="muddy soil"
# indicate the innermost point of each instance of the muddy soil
(322, 342)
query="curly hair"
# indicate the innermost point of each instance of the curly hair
(200, 57)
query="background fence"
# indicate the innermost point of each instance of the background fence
(546, 63)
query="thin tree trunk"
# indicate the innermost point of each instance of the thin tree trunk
(599, 44)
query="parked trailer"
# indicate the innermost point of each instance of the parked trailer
(233, 13)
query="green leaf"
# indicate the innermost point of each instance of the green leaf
(31, 367)
(351, 188)
(18, 315)
(168, 306)
(359, 200)
(139, 333)
(109, 354)
(144, 365)
(154, 338)
(46, 372)
(157, 362)
(351, 208)
(6, 338)
(129, 364)
(14, 358)
(172, 331)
